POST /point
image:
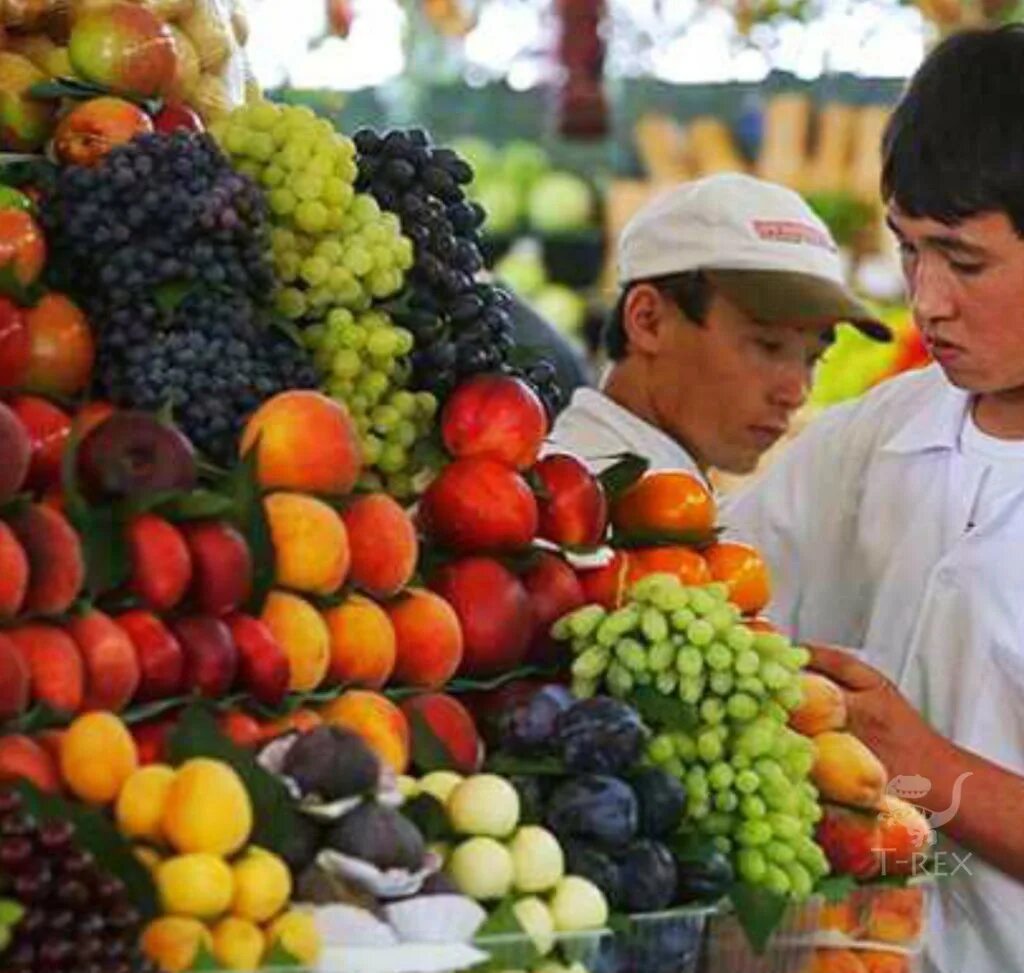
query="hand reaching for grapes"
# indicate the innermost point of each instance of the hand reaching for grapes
(878, 713)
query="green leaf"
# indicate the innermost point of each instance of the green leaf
(97, 835)
(507, 765)
(759, 912)
(428, 750)
(104, 546)
(428, 814)
(664, 538)
(205, 961)
(169, 296)
(836, 888)
(692, 848)
(39, 717)
(274, 814)
(289, 329)
(664, 712)
(620, 924)
(429, 453)
(197, 504)
(279, 958)
(24, 295)
(251, 518)
(75, 89)
(17, 504)
(457, 686)
(521, 561)
(622, 474)
(502, 921)
(536, 484)
(144, 712)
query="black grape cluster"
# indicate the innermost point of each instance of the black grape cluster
(211, 360)
(461, 327)
(166, 246)
(78, 918)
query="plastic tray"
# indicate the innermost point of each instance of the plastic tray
(789, 950)
(878, 917)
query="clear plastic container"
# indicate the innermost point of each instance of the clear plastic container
(789, 950)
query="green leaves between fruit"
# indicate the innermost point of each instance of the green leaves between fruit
(97, 835)
(274, 814)
(622, 474)
(664, 712)
(759, 912)
(251, 519)
(428, 751)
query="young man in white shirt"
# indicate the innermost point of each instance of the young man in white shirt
(731, 289)
(895, 524)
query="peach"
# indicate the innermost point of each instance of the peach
(452, 726)
(823, 708)
(554, 591)
(240, 728)
(221, 566)
(21, 758)
(211, 659)
(377, 720)
(14, 344)
(301, 721)
(877, 961)
(849, 838)
(383, 543)
(14, 571)
(111, 665)
(836, 961)
(429, 646)
(479, 505)
(263, 667)
(58, 673)
(895, 915)
(51, 741)
(302, 633)
(846, 771)
(306, 442)
(161, 564)
(126, 48)
(606, 585)
(494, 613)
(494, 417)
(56, 562)
(90, 130)
(16, 449)
(62, 350)
(311, 552)
(15, 680)
(363, 643)
(905, 837)
(178, 118)
(842, 917)
(683, 562)
(161, 660)
(573, 504)
(25, 122)
(48, 431)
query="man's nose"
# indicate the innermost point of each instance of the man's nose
(931, 297)
(792, 385)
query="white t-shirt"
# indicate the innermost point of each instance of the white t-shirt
(866, 521)
(595, 429)
(999, 465)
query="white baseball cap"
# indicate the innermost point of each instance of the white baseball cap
(757, 242)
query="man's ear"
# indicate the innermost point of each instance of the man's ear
(643, 318)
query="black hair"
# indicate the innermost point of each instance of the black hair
(690, 291)
(954, 146)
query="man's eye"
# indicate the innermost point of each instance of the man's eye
(772, 347)
(906, 249)
(968, 270)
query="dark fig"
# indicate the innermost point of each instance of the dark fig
(648, 877)
(132, 453)
(332, 763)
(302, 843)
(379, 835)
(600, 809)
(600, 736)
(662, 800)
(706, 880)
(596, 866)
(529, 725)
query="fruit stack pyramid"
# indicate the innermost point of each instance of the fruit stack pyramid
(185, 53)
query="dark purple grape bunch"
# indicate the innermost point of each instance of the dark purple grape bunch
(78, 918)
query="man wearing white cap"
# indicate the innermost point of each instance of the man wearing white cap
(731, 289)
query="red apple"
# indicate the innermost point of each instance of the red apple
(90, 130)
(161, 565)
(16, 450)
(15, 345)
(851, 840)
(573, 505)
(211, 659)
(62, 348)
(479, 505)
(126, 48)
(554, 591)
(453, 727)
(178, 118)
(48, 430)
(161, 661)
(494, 612)
(264, 670)
(221, 566)
(151, 741)
(495, 417)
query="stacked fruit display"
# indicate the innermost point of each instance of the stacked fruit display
(184, 53)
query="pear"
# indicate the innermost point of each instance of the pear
(25, 122)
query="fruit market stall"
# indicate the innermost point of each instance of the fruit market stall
(309, 659)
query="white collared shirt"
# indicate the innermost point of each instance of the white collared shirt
(870, 524)
(595, 429)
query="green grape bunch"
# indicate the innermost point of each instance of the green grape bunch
(747, 773)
